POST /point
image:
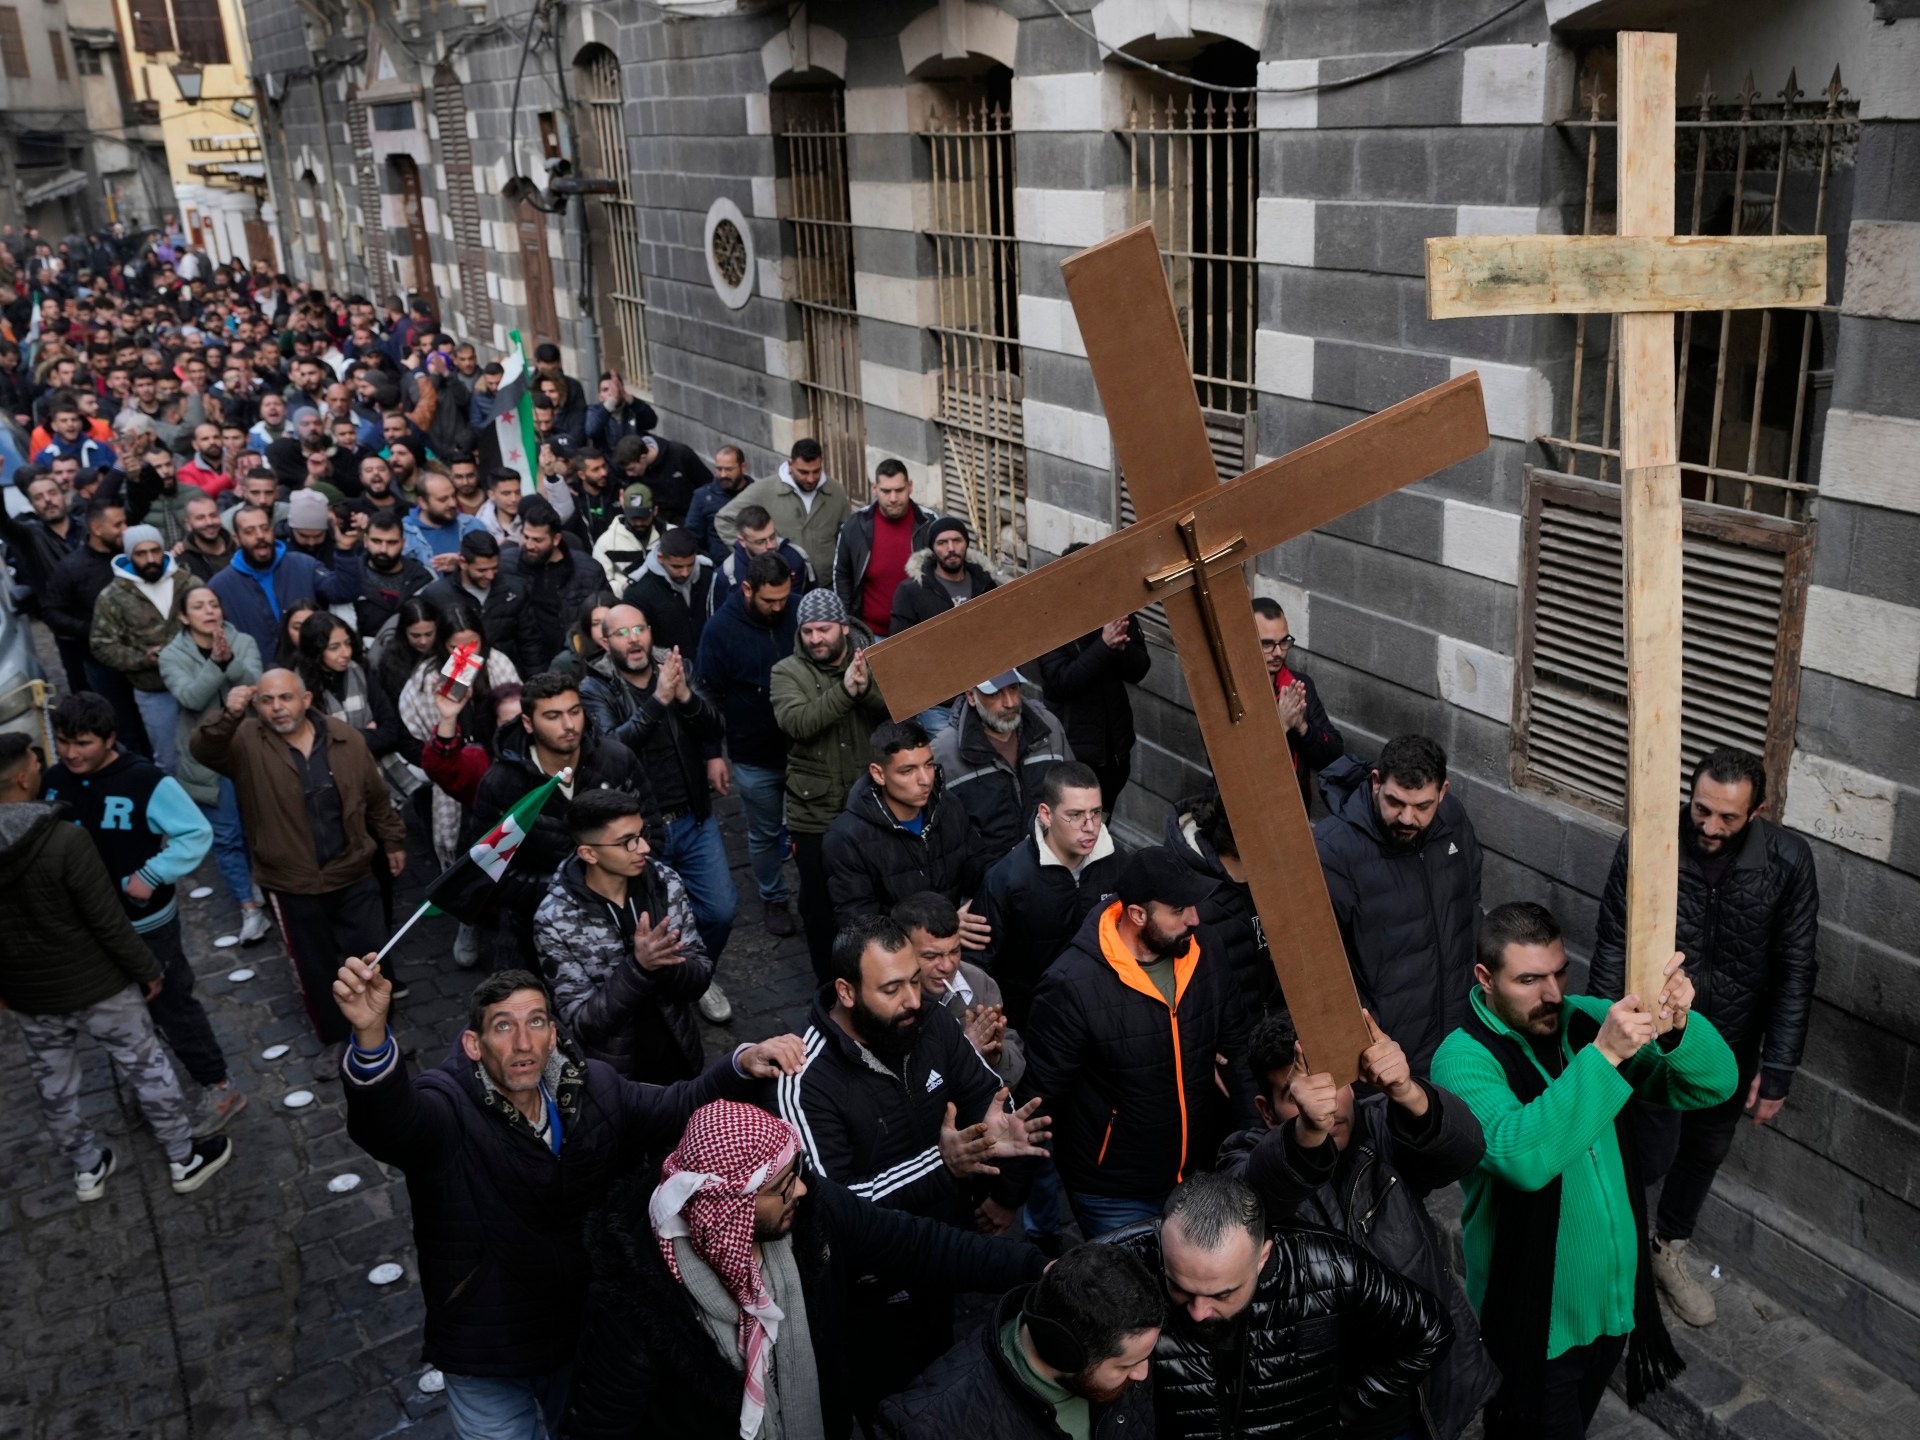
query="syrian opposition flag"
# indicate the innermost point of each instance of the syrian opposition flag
(513, 419)
(465, 885)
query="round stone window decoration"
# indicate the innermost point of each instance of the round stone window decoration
(729, 249)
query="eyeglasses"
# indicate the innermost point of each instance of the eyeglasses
(628, 630)
(628, 843)
(1082, 817)
(784, 1190)
(1285, 642)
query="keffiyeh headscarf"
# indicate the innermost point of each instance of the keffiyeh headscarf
(706, 1193)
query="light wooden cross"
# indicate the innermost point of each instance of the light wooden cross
(1187, 551)
(1644, 274)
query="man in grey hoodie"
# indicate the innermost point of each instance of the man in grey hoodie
(674, 590)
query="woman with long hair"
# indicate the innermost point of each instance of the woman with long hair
(583, 645)
(327, 659)
(286, 656)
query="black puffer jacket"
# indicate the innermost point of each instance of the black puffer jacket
(1374, 1193)
(70, 944)
(972, 1393)
(873, 862)
(1749, 943)
(921, 596)
(1228, 922)
(555, 589)
(1409, 918)
(1327, 1324)
(1085, 681)
(647, 1366)
(1036, 906)
(1000, 797)
(623, 715)
(1128, 1082)
(500, 614)
(497, 1215)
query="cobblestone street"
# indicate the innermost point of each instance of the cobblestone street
(244, 1310)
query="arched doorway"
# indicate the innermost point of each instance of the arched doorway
(536, 270)
(413, 212)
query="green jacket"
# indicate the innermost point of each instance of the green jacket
(815, 530)
(200, 687)
(829, 729)
(1568, 1132)
(127, 625)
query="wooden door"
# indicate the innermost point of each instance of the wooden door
(260, 243)
(536, 269)
(413, 207)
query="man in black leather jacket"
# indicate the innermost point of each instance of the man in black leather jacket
(1363, 1168)
(1273, 1332)
(1747, 919)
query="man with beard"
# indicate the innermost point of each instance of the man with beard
(388, 575)
(475, 581)
(870, 559)
(806, 503)
(1402, 866)
(1554, 1229)
(729, 479)
(1747, 920)
(437, 526)
(555, 577)
(995, 758)
(316, 811)
(1067, 1356)
(309, 527)
(208, 467)
(464, 471)
(674, 591)
(552, 736)
(154, 495)
(760, 535)
(945, 574)
(266, 577)
(1312, 740)
(209, 546)
(1295, 1332)
(648, 700)
(738, 1221)
(1137, 1040)
(377, 493)
(404, 457)
(670, 468)
(894, 1104)
(134, 619)
(617, 941)
(38, 542)
(258, 488)
(67, 607)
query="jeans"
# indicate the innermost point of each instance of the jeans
(935, 720)
(485, 1408)
(1045, 1212)
(1686, 1148)
(763, 795)
(1559, 1400)
(160, 713)
(693, 850)
(230, 855)
(1102, 1214)
(177, 1014)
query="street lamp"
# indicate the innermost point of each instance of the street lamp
(190, 79)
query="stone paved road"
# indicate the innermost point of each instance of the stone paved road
(244, 1310)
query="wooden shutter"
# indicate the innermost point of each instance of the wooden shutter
(13, 45)
(152, 26)
(1745, 592)
(1231, 438)
(366, 185)
(203, 39)
(57, 42)
(463, 205)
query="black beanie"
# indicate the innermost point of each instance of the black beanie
(944, 524)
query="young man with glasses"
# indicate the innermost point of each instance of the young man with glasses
(617, 941)
(1311, 737)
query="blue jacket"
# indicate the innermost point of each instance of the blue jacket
(89, 452)
(737, 656)
(142, 822)
(255, 600)
(705, 504)
(420, 544)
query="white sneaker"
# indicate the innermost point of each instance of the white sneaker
(715, 1005)
(253, 924)
(92, 1184)
(208, 1157)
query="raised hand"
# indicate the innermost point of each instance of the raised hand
(986, 1027)
(857, 677)
(1317, 1098)
(656, 946)
(364, 996)
(672, 684)
(965, 1151)
(770, 1059)
(975, 932)
(1383, 1065)
(222, 650)
(1676, 998)
(1628, 1026)
(238, 699)
(1016, 1132)
(1293, 708)
(449, 708)
(1116, 633)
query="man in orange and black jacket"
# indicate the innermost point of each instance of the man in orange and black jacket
(1122, 1037)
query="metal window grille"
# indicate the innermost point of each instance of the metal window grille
(1231, 438)
(366, 184)
(1751, 385)
(813, 142)
(1193, 171)
(623, 296)
(1750, 394)
(977, 284)
(322, 249)
(1744, 592)
(463, 205)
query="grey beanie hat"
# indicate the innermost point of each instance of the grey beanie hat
(138, 535)
(821, 604)
(307, 510)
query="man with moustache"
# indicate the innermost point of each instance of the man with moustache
(895, 1104)
(1747, 920)
(208, 467)
(1402, 867)
(948, 572)
(154, 494)
(388, 575)
(729, 479)
(209, 547)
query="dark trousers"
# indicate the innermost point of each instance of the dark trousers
(1686, 1147)
(1558, 1401)
(816, 905)
(177, 1012)
(321, 931)
(73, 659)
(1113, 779)
(105, 680)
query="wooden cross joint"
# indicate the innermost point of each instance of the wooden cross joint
(1199, 566)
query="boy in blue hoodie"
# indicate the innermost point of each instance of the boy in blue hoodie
(150, 835)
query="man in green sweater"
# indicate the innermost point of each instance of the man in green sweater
(1555, 1239)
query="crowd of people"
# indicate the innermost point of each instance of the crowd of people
(301, 609)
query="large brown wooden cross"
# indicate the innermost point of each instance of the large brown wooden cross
(1187, 550)
(1644, 274)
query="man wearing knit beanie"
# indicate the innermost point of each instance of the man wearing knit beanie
(135, 618)
(821, 606)
(945, 574)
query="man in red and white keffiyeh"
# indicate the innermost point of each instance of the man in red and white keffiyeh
(705, 1204)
